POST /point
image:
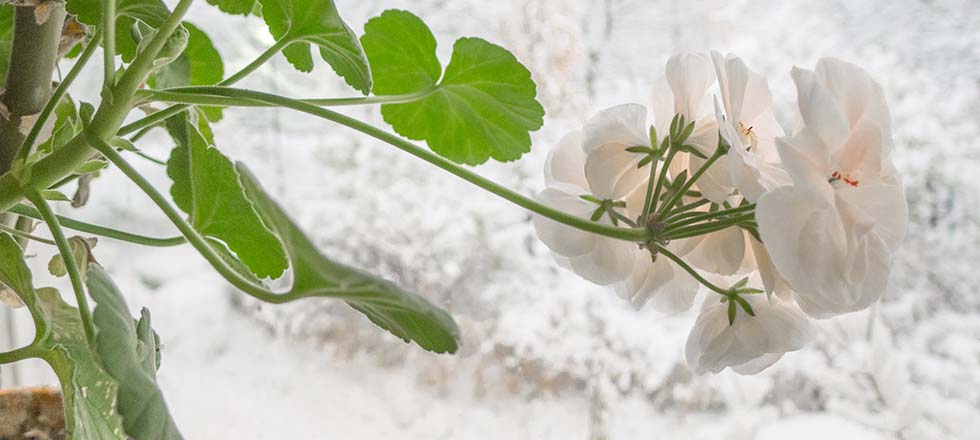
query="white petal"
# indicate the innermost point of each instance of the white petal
(886, 204)
(757, 365)
(860, 96)
(819, 108)
(609, 168)
(719, 252)
(560, 238)
(610, 261)
(566, 162)
(689, 76)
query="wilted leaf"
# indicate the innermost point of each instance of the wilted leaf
(404, 314)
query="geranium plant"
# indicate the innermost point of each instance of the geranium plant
(777, 229)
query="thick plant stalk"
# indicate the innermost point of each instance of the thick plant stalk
(32, 62)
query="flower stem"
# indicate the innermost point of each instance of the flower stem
(706, 228)
(71, 266)
(665, 208)
(660, 180)
(102, 231)
(716, 215)
(627, 234)
(694, 273)
(18, 233)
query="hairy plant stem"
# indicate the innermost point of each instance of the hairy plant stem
(28, 145)
(71, 266)
(33, 54)
(628, 234)
(102, 231)
(105, 123)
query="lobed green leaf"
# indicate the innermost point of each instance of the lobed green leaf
(483, 107)
(316, 22)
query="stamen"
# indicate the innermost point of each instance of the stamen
(836, 175)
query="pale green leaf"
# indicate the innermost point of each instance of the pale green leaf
(483, 107)
(316, 22)
(89, 392)
(238, 7)
(141, 403)
(404, 314)
(81, 251)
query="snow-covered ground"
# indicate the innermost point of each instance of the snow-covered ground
(547, 355)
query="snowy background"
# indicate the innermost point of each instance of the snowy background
(545, 354)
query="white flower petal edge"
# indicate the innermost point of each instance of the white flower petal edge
(749, 345)
(611, 170)
(832, 232)
(667, 287)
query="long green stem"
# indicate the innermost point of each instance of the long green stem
(628, 234)
(59, 92)
(102, 231)
(71, 266)
(694, 273)
(18, 233)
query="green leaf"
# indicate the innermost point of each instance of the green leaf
(306, 22)
(128, 13)
(141, 403)
(81, 251)
(484, 106)
(206, 188)
(238, 7)
(199, 64)
(89, 392)
(404, 314)
(66, 126)
(54, 195)
(14, 272)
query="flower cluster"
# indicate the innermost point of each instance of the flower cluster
(799, 226)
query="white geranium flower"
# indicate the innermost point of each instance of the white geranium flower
(749, 127)
(683, 91)
(612, 171)
(832, 232)
(667, 287)
(751, 343)
(596, 258)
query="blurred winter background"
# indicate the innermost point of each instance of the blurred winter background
(545, 354)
